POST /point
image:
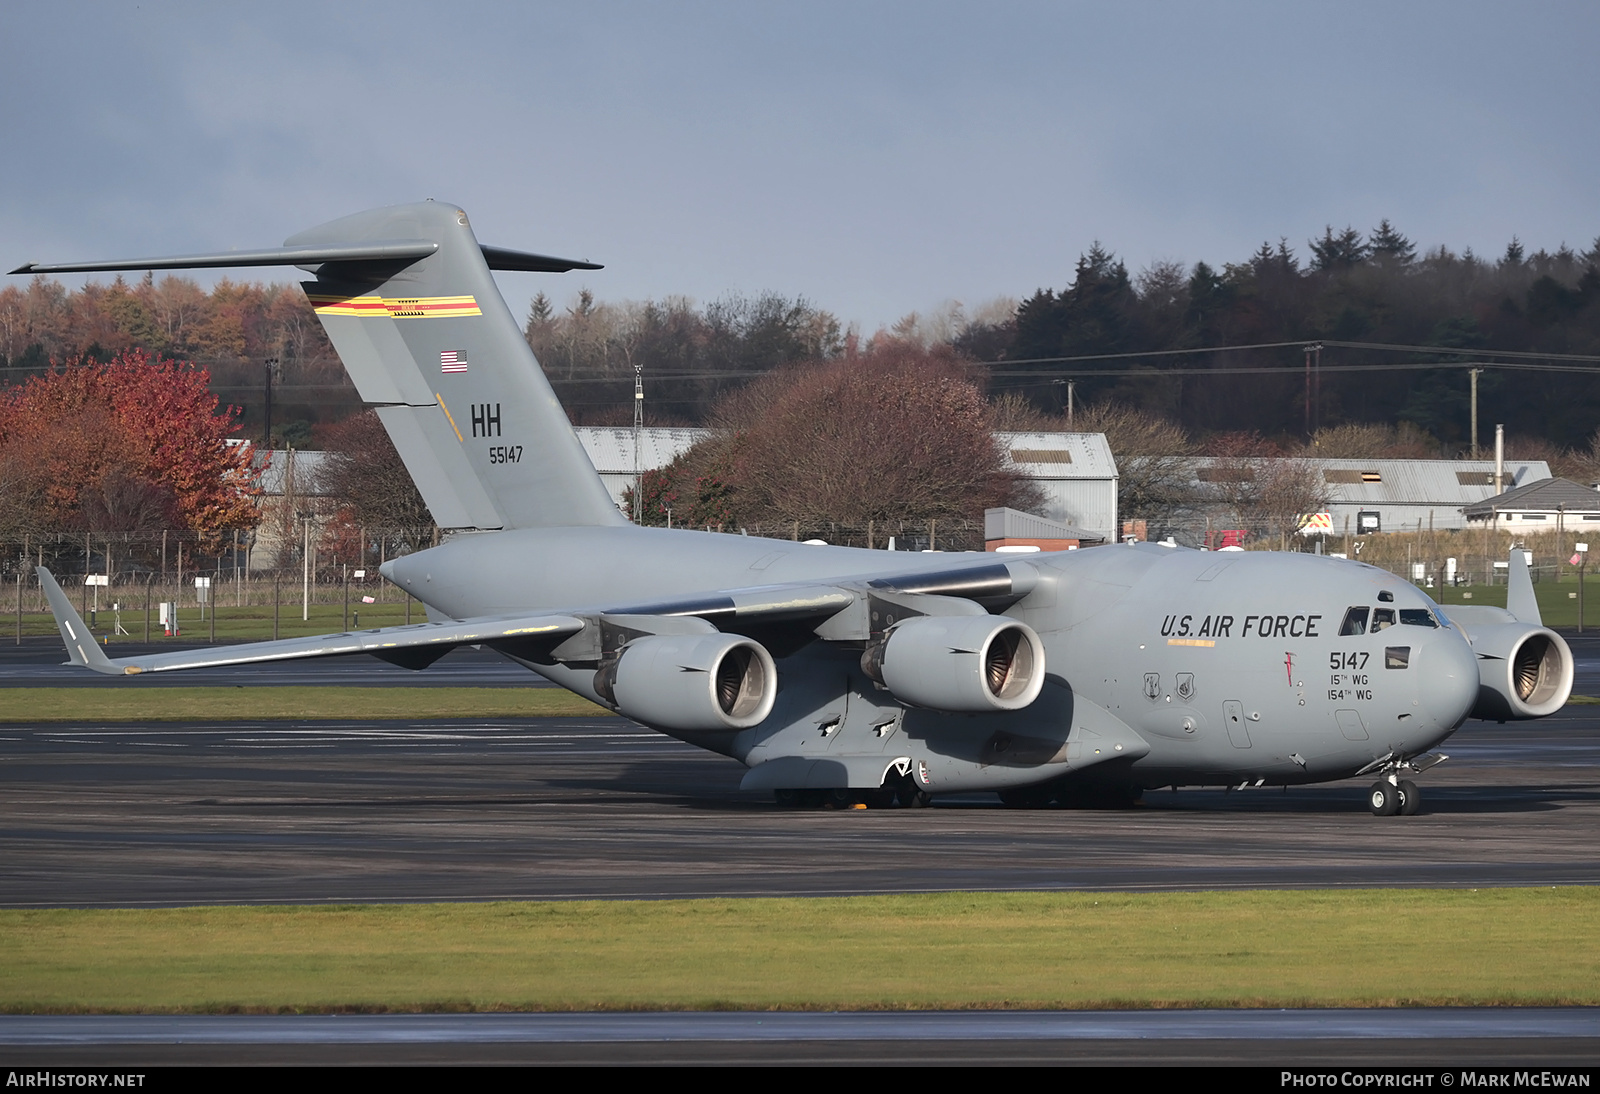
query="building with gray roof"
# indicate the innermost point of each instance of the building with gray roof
(1404, 493)
(1544, 505)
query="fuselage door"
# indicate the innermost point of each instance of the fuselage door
(1351, 725)
(1233, 717)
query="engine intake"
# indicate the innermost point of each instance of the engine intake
(969, 664)
(691, 681)
(1523, 671)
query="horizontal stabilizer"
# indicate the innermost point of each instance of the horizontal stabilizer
(397, 250)
(499, 258)
(387, 642)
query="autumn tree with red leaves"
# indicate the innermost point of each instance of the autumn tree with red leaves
(134, 444)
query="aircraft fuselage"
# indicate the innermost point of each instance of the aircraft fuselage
(1227, 668)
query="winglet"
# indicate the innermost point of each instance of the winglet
(81, 646)
(1519, 590)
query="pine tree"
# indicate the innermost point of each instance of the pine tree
(1338, 252)
(1388, 247)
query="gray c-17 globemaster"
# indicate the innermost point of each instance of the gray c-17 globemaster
(852, 674)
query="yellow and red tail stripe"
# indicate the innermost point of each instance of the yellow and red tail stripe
(403, 307)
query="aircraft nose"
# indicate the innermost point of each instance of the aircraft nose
(1447, 678)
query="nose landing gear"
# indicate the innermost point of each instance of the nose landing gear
(1391, 795)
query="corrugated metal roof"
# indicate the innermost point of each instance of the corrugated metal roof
(1059, 455)
(1449, 483)
(1014, 524)
(610, 448)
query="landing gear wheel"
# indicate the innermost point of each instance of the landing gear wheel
(882, 798)
(1410, 798)
(786, 797)
(1384, 799)
(912, 796)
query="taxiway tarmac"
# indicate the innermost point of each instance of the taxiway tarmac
(1357, 1040)
(164, 814)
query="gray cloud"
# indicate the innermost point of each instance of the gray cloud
(877, 158)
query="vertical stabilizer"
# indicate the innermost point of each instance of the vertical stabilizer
(1520, 600)
(431, 343)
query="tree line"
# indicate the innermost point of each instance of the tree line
(1345, 286)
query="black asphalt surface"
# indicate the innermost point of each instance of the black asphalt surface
(1359, 1041)
(152, 814)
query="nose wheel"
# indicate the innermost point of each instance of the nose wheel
(1394, 797)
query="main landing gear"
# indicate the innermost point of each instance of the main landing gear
(897, 790)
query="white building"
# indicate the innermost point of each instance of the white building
(1076, 473)
(1406, 494)
(1548, 505)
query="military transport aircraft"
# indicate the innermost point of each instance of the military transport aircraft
(855, 675)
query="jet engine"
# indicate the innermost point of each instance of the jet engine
(965, 664)
(1523, 671)
(691, 681)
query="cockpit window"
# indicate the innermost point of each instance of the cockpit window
(1355, 622)
(1417, 617)
(1382, 618)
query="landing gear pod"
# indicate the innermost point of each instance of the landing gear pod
(1523, 671)
(966, 664)
(691, 681)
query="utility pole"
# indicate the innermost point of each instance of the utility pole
(1473, 373)
(305, 574)
(1313, 354)
(1583, 557)
(1070, 385)
(638, 432)
(269, 366)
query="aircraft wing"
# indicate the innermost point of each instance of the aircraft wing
(841, 612)
(414, 646)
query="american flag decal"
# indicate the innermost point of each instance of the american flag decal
(450, 360)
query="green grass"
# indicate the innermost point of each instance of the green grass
(251, 622)
(1558, 604)
(210, 704)
(958, 950)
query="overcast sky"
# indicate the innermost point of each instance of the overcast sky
(875, 158)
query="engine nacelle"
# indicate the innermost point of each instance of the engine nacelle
(1523, 671)
(964, 664)
(691, 681)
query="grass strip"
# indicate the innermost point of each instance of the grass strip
(221, 704)
(1343, 948)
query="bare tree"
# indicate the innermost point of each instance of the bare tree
(899, 433)
(363, 471)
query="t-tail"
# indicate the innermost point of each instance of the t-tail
(407, 297)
